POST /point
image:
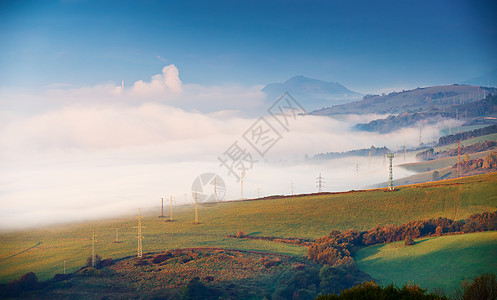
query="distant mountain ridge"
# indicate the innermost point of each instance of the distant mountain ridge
(480, 112)
(417, 100)
(312, 93)
(489, 79)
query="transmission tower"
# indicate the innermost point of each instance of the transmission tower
(320, 183)
(64, 267)
(390, 177)
(162, 209)
(292, 188)
(140, 237)
(93, 254)
(196, 210)
(117, 236)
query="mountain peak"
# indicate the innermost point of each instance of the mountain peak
(314, 92)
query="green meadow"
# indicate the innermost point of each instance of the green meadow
(434, 263)
(307, 216)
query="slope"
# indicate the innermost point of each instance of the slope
(435, 262)
(308, 216)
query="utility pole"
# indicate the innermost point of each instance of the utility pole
(258, 192)
(292, 188)
(93, 254)
(196, 211)
(171, 215)
(390, 177)
(64, 267)
(140, 237)
(405, 152)
(320, 183)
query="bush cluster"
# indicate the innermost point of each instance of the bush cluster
(309, 282)
(25, 283)
(372, 291)
(337, 247)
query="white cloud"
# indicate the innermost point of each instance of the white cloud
(71, 150)
(168, 81)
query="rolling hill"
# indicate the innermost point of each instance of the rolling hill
(434, 262)
(309, 216)
(417, 100)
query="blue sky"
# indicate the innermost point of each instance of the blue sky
(73, 140)
(365, 45)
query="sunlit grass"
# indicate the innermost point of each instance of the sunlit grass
(436, 262)
(304, 216)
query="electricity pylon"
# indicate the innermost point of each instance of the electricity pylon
(117, 236)
(320, 183)
(140, 237)
(93, 254)
(162, 208)
(390, 176)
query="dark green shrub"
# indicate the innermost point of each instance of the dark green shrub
(372, 291)
(481, 287)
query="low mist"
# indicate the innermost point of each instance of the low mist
(71, 155)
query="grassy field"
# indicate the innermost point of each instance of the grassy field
(483, 138)
(433, 263)
(441, 163)
(308, 216)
